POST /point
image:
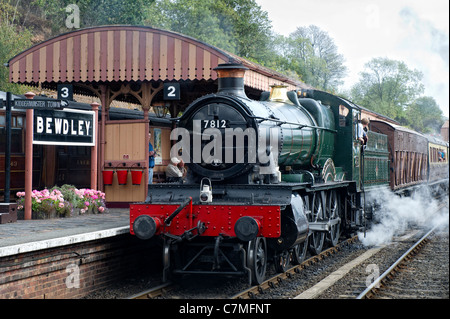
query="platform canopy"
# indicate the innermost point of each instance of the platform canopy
(130, 63)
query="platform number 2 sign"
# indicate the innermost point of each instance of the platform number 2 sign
(171, 91)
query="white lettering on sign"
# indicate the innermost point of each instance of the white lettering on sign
(88, 124)
(62, 126)
(80, 130)
(68, 127)
(58, 126)
(40, 125)
(48, 129)
(72, 130)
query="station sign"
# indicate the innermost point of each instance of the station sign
(65, 92)
(171, 91)
(68, 127)
(38, 104)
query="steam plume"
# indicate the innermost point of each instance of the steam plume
(395, 214)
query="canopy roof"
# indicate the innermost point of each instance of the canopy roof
(129, 53)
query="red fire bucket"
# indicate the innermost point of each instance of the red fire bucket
(136, 177)
(122, 177)
(107, 177)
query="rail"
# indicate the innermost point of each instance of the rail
(153, 292)
(371, 290)
(273, 281)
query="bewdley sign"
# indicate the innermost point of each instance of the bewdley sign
(68, 127)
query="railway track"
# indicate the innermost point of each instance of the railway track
(252, 292)
(343, 271)
(421, 272)
(274, 281)
(347, 281)
(154, 291)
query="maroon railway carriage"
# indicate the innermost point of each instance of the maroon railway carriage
(408, 154)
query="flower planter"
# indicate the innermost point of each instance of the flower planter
(44, 215)
(64, 201)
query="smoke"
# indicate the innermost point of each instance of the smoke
(431, 38)
(425, 46)
(396, 214)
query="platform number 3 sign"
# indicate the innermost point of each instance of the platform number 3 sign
(171, 91)
(65, 92)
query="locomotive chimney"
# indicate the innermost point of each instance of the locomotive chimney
(231, 78)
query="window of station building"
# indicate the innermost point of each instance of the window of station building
(17, 134)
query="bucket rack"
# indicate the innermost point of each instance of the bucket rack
(122, 169)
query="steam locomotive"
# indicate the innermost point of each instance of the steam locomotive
(267, 180)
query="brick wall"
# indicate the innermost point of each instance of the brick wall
(76, 270)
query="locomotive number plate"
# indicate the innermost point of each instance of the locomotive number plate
(215, 124)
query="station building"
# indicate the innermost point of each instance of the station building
(157, 71)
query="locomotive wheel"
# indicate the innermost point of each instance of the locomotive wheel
(332, 212)
(317, 215)
(257, 259)
(282, 261)
(166, 260)
(299, 252)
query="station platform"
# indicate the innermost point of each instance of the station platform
(31, 235)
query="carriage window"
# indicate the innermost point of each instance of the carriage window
(19, 121)
(438, 155)
(17, 134)
(17, 145)
(2, 134)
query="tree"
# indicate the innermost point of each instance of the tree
(251, 27)
(93, 12)
(195, 18)
(315, 58)
(237, 26)
(424, 115)
(13, 40)
(104, 12)
(388, 87)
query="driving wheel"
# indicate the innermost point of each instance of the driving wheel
(257, 259)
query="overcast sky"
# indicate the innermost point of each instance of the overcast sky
(413, 31)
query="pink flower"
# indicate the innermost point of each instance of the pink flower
(61, 205)
(101, 209)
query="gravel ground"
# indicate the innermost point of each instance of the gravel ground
(425, 276)
(126, 287)
(195, 287)
(198, 287)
